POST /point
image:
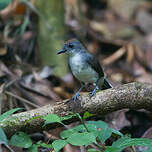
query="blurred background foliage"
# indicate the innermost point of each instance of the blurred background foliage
(117, 32)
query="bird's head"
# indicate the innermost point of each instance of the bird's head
(71, 46)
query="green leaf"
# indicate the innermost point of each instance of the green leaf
(116, 132)
(148, 150)
(121, 140)
(104, 132)
(99, 124)
(66, 133)
(3, 137)
(126, 141)
(92, 150)
(20, 139)
(80, 139)
(52, 118)
(67, 117)
(80, 128)
(78, 115)
(112, 149)
(8, 113)
(116, 149)
(44, 144)
(87, 115)
(33, 148)
(4, 3)
(59, 144)
(34, 118)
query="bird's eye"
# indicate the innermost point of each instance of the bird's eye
(70, 45)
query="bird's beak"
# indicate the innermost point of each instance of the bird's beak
(61, 51)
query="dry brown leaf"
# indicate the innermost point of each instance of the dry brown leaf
(3, 51)
(61, 92)
(146, 78)
(102, 28)
(130, 53)
(20, 9)
(70, 148)
(117, 120)
(14, 8)
(115, 56)
(7, 12)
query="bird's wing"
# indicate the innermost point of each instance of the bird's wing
(93, 62)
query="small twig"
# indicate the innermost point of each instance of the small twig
(96, 147)
(11, 82)
(115, 56)
(133, 148)
(1, 99)
(82, 149)
(84, 125)
(101, 147)
(1, 96)
(22, 99)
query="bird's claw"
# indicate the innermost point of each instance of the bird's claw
(75, 97)
(92, 93)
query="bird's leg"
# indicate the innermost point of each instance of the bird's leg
(94, 90)
(75, 97)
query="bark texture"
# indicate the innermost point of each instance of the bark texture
(133, 95)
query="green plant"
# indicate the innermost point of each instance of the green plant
(93, 132)
(87, 133)
(3, 138)
(21, 139)
(4, 3)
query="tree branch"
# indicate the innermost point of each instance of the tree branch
(133, 95)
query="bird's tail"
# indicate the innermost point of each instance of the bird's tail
(107, 84)
(104, 84)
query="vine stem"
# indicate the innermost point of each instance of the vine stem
(101, 147)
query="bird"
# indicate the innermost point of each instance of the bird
(84, 66)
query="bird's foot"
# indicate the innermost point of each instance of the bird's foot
(75, 97)
(92, 93)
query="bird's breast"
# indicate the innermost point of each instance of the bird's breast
(82, 70)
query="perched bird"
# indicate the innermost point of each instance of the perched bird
(84, 66)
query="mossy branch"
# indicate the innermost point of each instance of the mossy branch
(133, 95)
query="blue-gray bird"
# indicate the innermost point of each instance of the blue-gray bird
(84, 67)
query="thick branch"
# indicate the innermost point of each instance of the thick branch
(134, 96)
